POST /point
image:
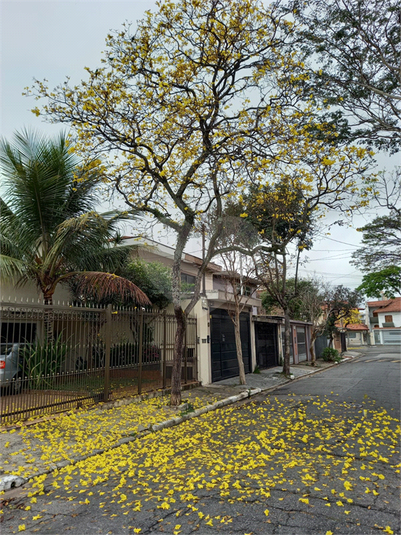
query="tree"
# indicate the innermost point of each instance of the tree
(381, 240)
(154, 279)
(381, 244)
(201, 96)
(286, 209)
(387, 281)
(340, 306)
(355, 55)
(307, 304)
(50, 233)
(238, 272)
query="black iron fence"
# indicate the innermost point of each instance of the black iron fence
(56, 358)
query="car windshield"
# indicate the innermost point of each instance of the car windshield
(5, 349)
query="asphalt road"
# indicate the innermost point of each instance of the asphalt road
(376, 375)
(317, 456)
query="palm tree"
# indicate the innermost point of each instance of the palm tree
(49, 230)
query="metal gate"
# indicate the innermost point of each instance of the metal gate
(392, 337)
(301, 341)
(266, 344)
(223, 350)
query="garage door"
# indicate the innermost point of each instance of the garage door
(392, 337)
(301, 344)
(266, 344)
(223, 351)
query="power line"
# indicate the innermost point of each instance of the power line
(343, 242)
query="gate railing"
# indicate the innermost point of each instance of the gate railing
(93, 354)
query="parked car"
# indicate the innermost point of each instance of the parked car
(10, 367)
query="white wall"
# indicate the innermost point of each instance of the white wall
(30, 293)
(396, 318)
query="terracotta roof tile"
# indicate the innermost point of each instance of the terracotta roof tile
(393, 306)
(357, 327)
(381, 303)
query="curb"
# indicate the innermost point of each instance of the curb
(10, 481)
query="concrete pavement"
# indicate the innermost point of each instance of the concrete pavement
(33, 449)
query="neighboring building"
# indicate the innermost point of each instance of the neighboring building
(262, 336)
(383, 319)
(357, 334)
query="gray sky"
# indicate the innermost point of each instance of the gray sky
(53, 39)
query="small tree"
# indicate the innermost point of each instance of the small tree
(307, 305)
(341, 304)
(238, 273)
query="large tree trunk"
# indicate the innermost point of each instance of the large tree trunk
(238, 345)
(180, 315)
(287, 342)
(178, 355)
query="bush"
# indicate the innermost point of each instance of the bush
(41, 361)
(330, 355)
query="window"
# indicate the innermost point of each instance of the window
(351, 335)
(246, 290)
(388, 319)
(187, 283)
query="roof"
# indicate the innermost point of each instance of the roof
(357, 327)
(167, 251)
(394, 305)
(381, 303)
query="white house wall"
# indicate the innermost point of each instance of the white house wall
(30, 294)
(396, 318)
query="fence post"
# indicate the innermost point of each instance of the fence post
(196, 377)
(164, 367)
(186, 354)
(106, 392)
(140, 351)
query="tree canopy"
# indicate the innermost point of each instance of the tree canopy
(381, 244)
(387, 281)
(355, 56)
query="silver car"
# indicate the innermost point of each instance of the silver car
(10, 367)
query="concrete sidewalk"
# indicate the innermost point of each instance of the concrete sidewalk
(33, 449)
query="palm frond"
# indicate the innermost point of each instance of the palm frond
(11, 267)
(102, 286)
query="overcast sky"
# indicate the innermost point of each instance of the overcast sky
(53, 39)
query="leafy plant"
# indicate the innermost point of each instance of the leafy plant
(41, 361)
(330, 355)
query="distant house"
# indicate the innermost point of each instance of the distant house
(357, 334)
(383, 319)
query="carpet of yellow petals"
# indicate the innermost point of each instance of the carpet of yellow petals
(38, 446)
(279, 451)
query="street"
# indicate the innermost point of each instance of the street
(375, 375)
(318, 456)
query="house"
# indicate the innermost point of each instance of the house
(357, 334)
(383, 319)
(213, 340)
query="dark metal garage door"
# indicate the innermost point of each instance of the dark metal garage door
(223, 351)
(266, 344)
